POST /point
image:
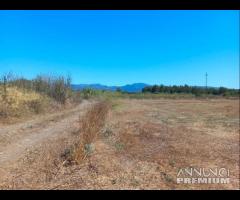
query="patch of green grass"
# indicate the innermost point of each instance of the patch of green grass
(107, 133)
(119, 146)
(167, 177)
(89, 148)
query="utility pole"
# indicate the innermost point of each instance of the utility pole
(206, 79)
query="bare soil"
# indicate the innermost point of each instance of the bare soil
(142, 146)
(19, 139)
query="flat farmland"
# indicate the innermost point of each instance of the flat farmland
(143, 145)
(156, 138)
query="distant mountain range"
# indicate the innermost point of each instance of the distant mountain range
(132, 88)
(135, 87)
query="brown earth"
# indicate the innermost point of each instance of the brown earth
(142, 146)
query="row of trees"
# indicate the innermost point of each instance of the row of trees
(190, 90)
(57, 87)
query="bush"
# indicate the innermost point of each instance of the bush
(56, 87)
(18, 102)
(88, 92)
(36, 106)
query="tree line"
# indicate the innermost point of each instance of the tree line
(198, 91)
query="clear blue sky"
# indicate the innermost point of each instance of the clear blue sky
(122, 47)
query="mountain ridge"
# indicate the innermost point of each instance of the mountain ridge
(135, 87)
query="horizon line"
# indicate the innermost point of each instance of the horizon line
(152, 85)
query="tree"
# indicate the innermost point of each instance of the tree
(154, 89)
(191, 89)
(119, 89)
(222, 90)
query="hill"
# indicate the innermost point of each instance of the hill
(135, 87)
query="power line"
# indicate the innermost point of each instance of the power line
(206, 79)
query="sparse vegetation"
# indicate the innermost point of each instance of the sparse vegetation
(20, 97)
(134, 146)
(90, 126)
(56, 87)
(15, 102)
(87, 108)
(136, 149)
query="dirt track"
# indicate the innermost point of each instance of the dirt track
(17, 139)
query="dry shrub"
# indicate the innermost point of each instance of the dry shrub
(17, 102)
(90, 125)
(36, 106)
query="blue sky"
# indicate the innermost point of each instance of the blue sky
(122, 47)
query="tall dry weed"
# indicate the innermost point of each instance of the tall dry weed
(90, 125)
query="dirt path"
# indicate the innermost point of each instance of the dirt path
(16, 140)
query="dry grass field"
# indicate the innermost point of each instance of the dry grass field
(140, 144)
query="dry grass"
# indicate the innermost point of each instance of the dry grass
(90, 126)
(142, 146)
(180, 133)
(44, 165)
(18, 103)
